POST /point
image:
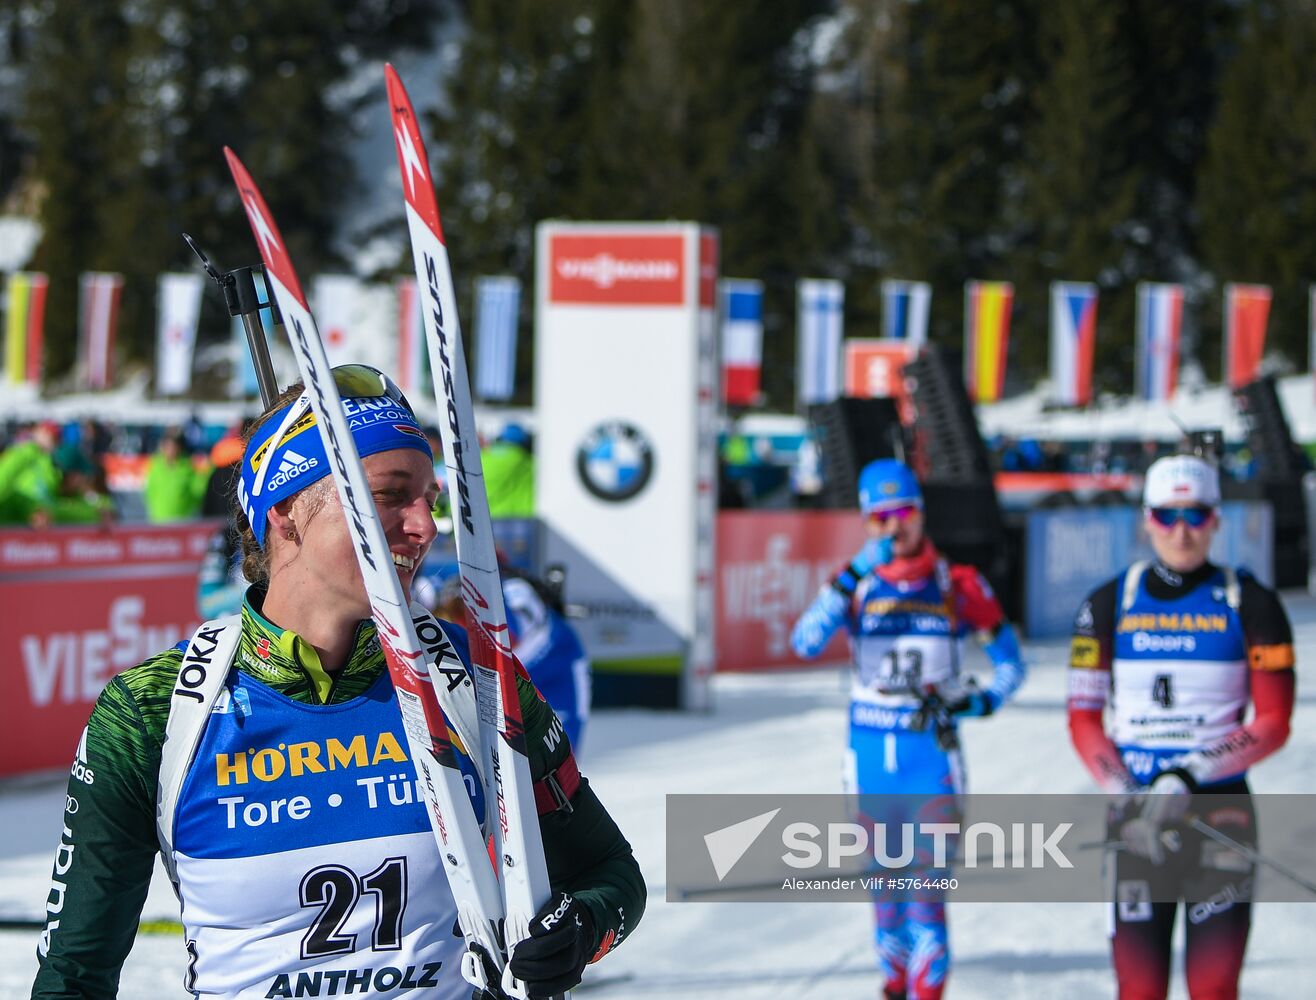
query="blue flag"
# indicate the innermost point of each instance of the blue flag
(497, 306)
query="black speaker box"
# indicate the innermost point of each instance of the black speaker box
(949, 445)
(964, 522)
(852, 432)
(1278, 457)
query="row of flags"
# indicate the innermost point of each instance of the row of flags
(370, 322)
(821, 358)
(380, 324)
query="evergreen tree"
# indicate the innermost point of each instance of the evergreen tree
(130, 103)
(1258, 188)
(711, 121)
(77, 94)
(1176, 52)
(640, 110)
(513, 134)
(950, 146)
(1079, 180)
(13, 149)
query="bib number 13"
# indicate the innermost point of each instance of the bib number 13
(336, 890)
(901, 668)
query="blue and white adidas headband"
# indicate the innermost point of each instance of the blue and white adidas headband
(298, 458)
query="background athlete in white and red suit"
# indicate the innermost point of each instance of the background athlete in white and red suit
(1173, 651)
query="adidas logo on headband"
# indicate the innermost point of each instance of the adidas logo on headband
(291, 466)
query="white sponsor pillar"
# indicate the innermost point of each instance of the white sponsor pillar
(626, 473)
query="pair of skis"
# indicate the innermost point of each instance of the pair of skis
(486, 903)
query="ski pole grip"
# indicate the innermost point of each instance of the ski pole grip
(239, 290)
(242, 298)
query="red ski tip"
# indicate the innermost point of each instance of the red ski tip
(263, 227)
(417, 185)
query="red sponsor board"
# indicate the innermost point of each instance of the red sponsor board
(875, 369)
(79, 606)
(616, 268)
(770, 566)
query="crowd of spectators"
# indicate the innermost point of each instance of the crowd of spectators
(50, 474)
(53, 473)
(92, 472)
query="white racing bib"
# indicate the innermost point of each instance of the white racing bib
(305, 861)
(904, 639)
(887, 665)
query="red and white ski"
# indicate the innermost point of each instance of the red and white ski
(466, 860)
(524, 873)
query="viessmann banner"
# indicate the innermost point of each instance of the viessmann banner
(626, 369)
(80, 605)
(770, 567)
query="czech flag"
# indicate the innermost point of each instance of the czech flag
(1073, 337)
(1247, 308)
(24, 326)
(1159, 322)
(742, 340)
(987, 306)
(905, 306)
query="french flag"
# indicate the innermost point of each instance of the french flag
(742, 340)
(1073, 338)
(1159, 322)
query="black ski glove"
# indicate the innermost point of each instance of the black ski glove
(551, 960)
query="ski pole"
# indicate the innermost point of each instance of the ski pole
(1248, 852)
(239, 289)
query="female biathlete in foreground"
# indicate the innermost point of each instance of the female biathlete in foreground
(907, 609)
(298, 842)
(1176, 648)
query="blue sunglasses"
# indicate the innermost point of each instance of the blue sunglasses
(1168, 517)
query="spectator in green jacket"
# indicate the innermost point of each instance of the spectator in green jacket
(29, 480)
(174, 486)
(509, 474)
(83, 496)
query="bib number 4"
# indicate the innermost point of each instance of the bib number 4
(1163, 690)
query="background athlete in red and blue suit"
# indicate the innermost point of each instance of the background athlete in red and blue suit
(907, 609)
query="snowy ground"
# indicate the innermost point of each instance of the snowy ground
(778, 733)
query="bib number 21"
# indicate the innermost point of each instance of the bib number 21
(337, 890)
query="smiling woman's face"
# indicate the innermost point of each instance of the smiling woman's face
(403, 489)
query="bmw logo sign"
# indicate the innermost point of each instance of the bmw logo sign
(615, 461)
